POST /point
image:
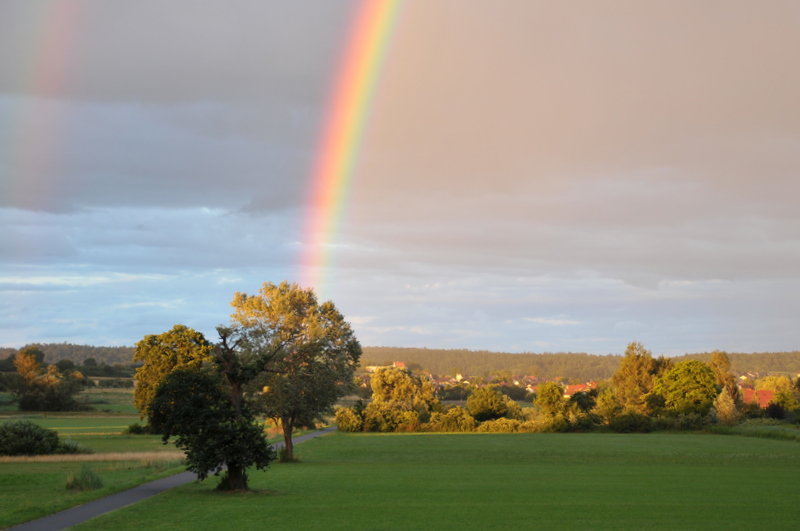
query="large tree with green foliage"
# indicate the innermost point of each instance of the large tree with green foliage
(400, 401)
(215, 430)
(688, 387)
(487, 403)
(304, 354)
(161, 354)
(550, 399)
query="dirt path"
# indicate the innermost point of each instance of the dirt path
(81, 513)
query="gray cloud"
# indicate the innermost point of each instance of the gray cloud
(533, 176)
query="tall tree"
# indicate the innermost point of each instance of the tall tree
(720, 364)
(304, 353)
(176, 349)
(635, 377)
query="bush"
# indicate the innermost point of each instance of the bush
(688, 422)
(501, 425)
(87, 479)
(137, 429)
(631, 422)
(348, 420)
(69, 446)
(454, 419)
(24, 437)
(555, 424)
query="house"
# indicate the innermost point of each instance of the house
(762, 397)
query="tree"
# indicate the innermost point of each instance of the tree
(195, 406)
(720, 364)
(400, 401)
(550, 399)
(179, 348)
(635, 377)
(688, 387)
(44, 389)
(607, 406)
(774, 383)
(487, 403)
(305, 354)
(726, 410)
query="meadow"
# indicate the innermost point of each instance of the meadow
(32, 487)
(494, 481)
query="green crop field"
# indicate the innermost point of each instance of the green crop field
(499, 481)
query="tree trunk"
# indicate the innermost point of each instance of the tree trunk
(288, 426)
(236, 478)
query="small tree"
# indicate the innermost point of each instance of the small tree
(607, 406)
(726, 410)
(550, 399)
(44, 389)
(487, 403)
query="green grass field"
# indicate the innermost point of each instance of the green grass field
(33, 490)
(499, 481)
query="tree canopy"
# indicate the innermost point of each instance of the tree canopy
(161, 354)
(688, 387)
(306, 354)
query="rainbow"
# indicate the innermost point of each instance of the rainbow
(51, 29)
(337, 151)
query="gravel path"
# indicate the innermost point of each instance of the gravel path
(81, 513)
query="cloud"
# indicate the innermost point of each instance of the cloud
(618, 169)
(552, 322)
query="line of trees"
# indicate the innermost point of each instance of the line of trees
(644, 393)
(36, 387)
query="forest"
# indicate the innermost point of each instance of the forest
(568, 365)
(580, 366)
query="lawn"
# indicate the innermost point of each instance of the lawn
(33, 490)
(499, 481)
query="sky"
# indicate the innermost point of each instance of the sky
(532, 176)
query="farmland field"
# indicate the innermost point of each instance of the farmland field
(500, 481)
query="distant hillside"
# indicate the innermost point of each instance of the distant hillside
(584, 367)
(581, 366)
(54, 352)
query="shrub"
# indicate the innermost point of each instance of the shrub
(631, 422)
(555, 424)
(688, 422)
(137, 429)
(501, 425)
(69, 446)
(348, 420)
(87, 479)
(24, 437)
(454, 419)
(486, 404)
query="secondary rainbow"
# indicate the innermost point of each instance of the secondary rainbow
(337, 152)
